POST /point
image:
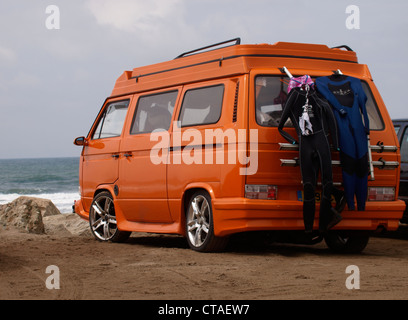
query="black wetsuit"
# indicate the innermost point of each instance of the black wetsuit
(314, 150)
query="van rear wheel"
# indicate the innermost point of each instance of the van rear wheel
(200, 225)
(102, 219)
(346, 241)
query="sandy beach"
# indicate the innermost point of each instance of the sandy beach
(161, 267)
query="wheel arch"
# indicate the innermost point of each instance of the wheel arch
(190, 190)
(103, 188)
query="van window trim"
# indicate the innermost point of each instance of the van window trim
(200, 88)
(102, 113)
(150, 95)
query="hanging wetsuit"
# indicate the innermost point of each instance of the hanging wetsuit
(312, 117)
(347, 97)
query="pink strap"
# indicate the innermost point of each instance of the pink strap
(299, 82)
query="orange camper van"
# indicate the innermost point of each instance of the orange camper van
(191, 147)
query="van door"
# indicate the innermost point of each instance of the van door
(101, 153)
(142, 171)
(192, 154)
(268, 94)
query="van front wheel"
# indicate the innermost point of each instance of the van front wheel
(102, 219)
(200, 225)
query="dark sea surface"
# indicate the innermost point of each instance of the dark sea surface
(49, 178)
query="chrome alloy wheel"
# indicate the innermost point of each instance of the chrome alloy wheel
(198, 220)
(102, 218)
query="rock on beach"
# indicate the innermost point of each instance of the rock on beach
(40, 216)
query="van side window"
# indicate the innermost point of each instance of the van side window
(111, 123)
(202, 106)
(404, 147)
(271, 95)
(154, 112)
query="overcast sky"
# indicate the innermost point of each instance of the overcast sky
(53, 81)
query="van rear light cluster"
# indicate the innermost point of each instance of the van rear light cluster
(265, 192)
(381, 194)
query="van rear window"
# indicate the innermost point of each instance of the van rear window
(202, 106)
(271, 95)
(376, 121)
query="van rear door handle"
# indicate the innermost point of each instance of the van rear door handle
(115, 156)
(128, 155)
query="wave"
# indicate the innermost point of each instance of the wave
(39, 178)
(63, 201)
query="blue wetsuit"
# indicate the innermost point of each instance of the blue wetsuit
(348, 99)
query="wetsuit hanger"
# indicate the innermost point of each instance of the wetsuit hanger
(337, 75)
(285, 70)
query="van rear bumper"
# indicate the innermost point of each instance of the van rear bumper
(233, 215)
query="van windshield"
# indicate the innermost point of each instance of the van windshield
(271, 94)
(111, 123)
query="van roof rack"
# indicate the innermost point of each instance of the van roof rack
(343, 47)
(236, 40)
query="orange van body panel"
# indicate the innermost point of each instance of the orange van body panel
(240, 215)
(151, 198)
(234, 60)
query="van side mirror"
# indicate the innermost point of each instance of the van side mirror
(80, 141)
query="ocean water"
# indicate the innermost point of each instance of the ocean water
(55, 179)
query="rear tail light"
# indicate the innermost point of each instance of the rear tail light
(381, 194)
(265, 192)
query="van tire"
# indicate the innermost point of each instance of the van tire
(200, 225)
(102, 219)
(347, 242)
